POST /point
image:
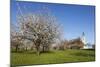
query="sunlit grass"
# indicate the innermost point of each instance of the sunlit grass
(58, 56)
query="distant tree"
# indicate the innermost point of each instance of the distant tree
(93, 46)
(16, 41)
(63, 44)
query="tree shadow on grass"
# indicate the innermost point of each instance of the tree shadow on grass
(47, 52)
(33, 52)
(24, 52)
(88, 49)
(83, 54)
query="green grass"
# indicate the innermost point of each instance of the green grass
(66, 56)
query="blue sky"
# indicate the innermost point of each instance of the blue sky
(75, 19)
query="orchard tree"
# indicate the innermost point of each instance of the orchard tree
(40, 27)
(16, 41)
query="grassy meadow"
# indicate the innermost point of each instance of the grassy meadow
(52, 57)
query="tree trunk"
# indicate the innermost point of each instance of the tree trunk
(43, 48)
(16, 48)
(26, 49)
(38, 50)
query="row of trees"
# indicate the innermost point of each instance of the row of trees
(39, 28)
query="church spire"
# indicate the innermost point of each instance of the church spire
(83, 34)
(83, 38)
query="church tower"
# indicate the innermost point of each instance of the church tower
(83, 39)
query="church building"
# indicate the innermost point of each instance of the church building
(78, 43)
